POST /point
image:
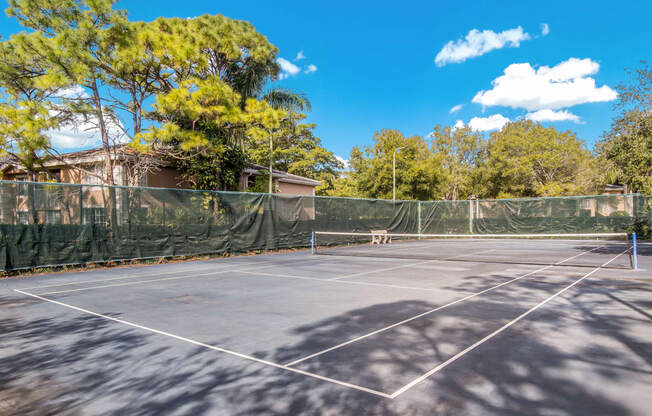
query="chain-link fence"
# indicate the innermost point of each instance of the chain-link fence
(54, 224)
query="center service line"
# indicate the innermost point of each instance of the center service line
(498, 331)
(472, 295)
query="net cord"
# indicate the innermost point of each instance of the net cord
(623, 235)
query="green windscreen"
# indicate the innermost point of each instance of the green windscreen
(52, 224)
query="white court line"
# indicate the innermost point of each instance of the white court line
(432, 311)
(406, 265)
(498, 331)
(119, 278)
(348, 282)
(132, 276)
(157, 280)
(212, 347)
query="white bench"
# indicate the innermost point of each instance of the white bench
(380, 237)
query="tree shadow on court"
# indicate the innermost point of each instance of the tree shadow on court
(69, 363)
(521, 371)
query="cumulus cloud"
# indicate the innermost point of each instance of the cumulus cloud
(288, 69)
(477, 43)
(310, 69)
(84, 134)
(455, 109)
(343, 161)
(493, 122)
(545, 29)
(564, 85)
(551, 115)
(76, 91)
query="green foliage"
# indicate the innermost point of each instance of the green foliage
(261, 184)
(297, 151)
(371, 170)
(528, 159)
(457, 152)
(626, 149)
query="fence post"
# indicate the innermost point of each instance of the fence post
(312, 243)
(470, 216)
(81, 204)
(419, 218)
(634, 251)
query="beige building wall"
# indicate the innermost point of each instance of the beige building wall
(295, 189)
(166, 178)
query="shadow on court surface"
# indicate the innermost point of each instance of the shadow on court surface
(584, 354)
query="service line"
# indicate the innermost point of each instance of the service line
(498, 331)
(472, 295)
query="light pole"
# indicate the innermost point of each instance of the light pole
(394, 171)
(271, 159)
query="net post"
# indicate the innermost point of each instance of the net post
(634, 251)
(312, 243)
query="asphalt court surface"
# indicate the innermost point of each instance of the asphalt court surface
(304, 334)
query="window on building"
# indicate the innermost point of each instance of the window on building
(94, 174)
(55, 175)
(23, 217)
(53, 216)
(22, 187)
(95, 216)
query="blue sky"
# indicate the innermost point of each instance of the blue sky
(375, 61)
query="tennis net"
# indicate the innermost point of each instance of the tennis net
(608, 250)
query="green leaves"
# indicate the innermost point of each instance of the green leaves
(626, 150)
(528, 159)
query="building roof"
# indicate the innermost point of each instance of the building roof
(96, 155)
(281, 176)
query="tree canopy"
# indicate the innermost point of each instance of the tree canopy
(626, 149)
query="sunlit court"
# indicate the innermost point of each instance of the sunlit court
(318, 333)
(342, 208)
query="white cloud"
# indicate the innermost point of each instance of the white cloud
(310, 69)
(300, 56)
(455, 109)
(84, 134)
(343, 161)
(493, 122)
(76, 91)
(288, 69)
(478, 43)
(545, 29)
(564, 85)
(550, 115)
(458, 124)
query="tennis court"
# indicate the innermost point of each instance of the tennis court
(480, 327)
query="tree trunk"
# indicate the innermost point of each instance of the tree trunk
(111, 205)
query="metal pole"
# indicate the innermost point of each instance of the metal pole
(394, 171)
(271, 156)
(312, 243)
(394, 175)
(470, 216)
(419, 217)
(634, 251)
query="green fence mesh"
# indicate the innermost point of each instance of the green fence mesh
(53, 224)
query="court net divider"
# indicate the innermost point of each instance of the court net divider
(536, 249)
